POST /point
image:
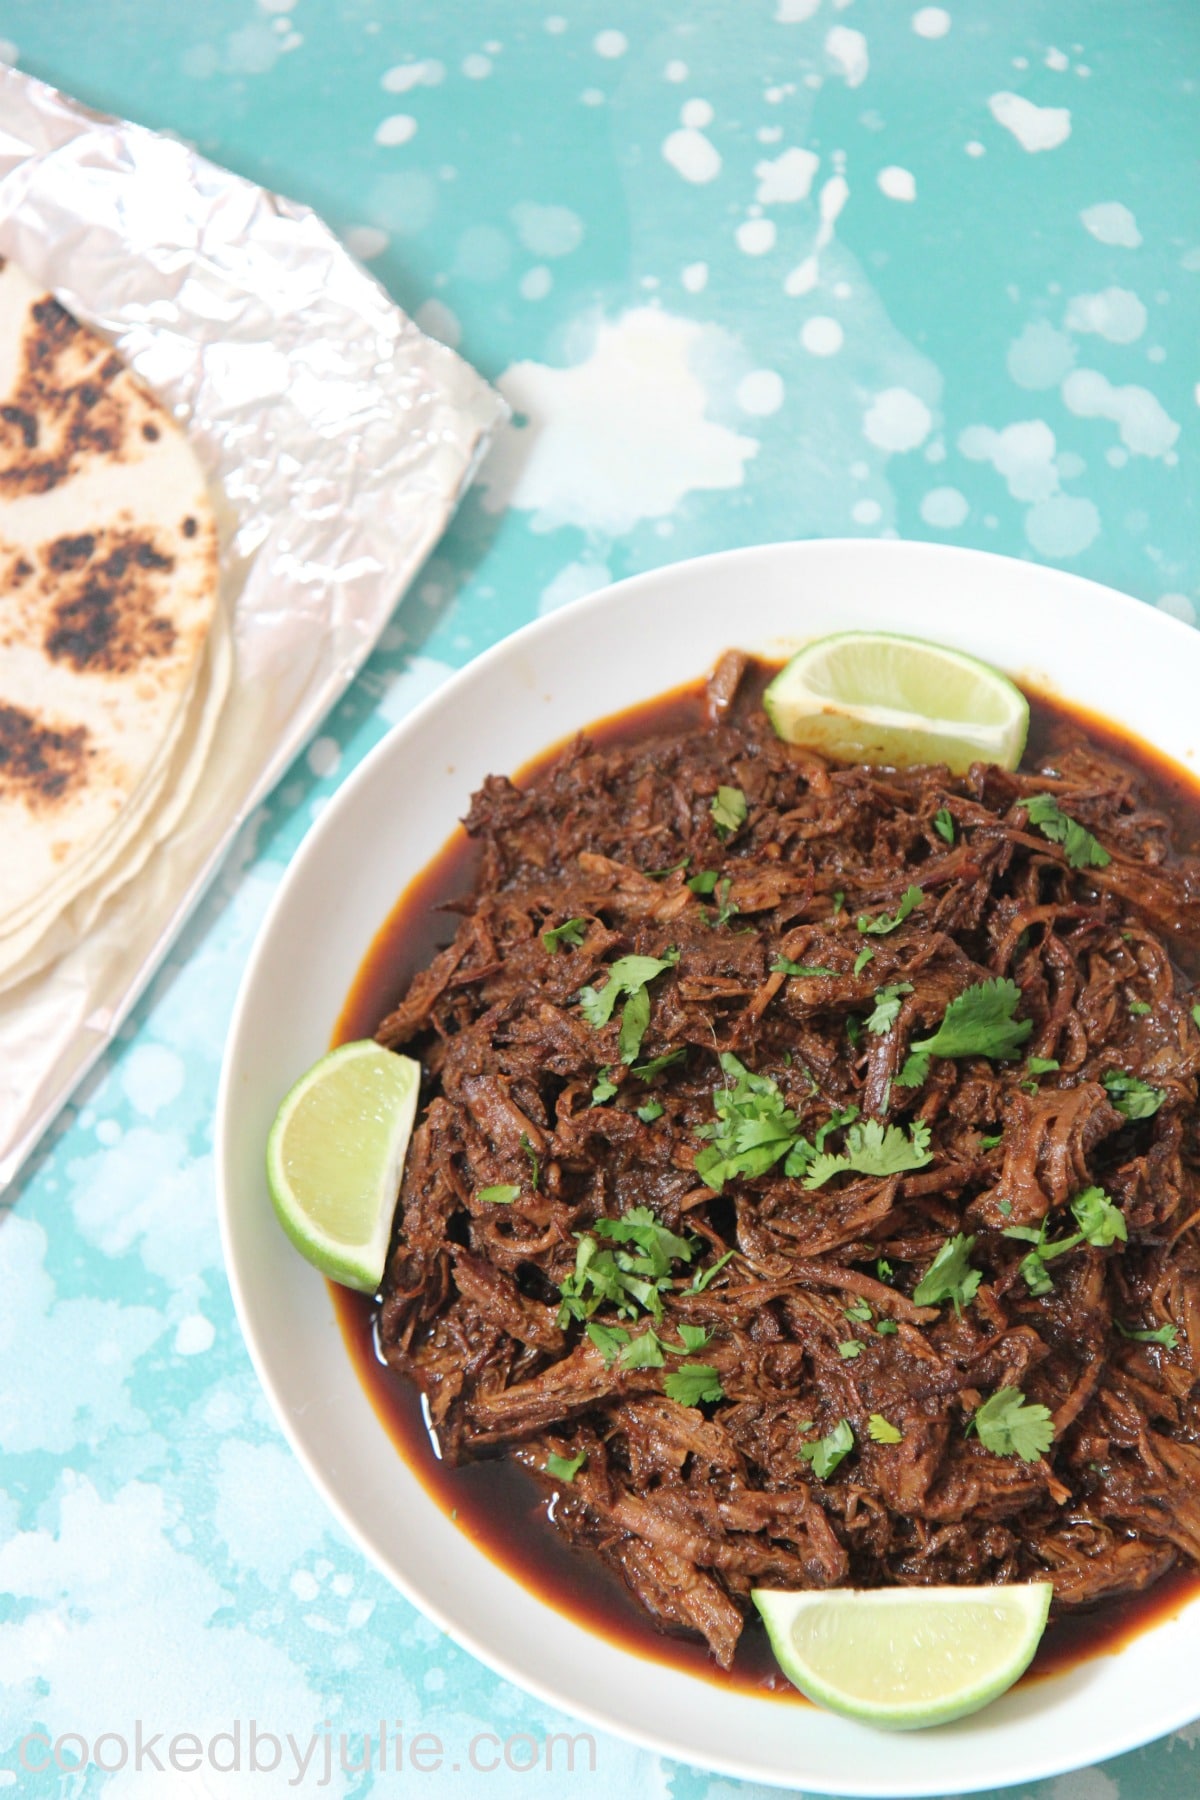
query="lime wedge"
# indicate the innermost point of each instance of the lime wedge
(905, 1657)
(872, 696)
(334, 1158)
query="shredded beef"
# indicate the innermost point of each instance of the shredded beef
(697, 1504)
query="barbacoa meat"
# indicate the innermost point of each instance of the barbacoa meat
(810, 1325)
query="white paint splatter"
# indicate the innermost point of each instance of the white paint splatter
(572, 583)
(897, 420)
(822, 336)
(547, 230)
(1085, 1784)
(323, 756)
(1034, 127)
(9, 53)
(974, 148)
(692, 155)
(795, 12)
(420, 677)
(1041, 356)
(755, 236)
(1112, 223)
(397, 128)
(676, 71)
(1115, 314)
(194, 1335)
(405, 76)
(832, 198)
(618, 437)
(1022, 453)
(1145, 428)
(695, 277)
(476, 67)
(1062, 526)
(787, 178)
(152, 1075)
(931, 22)
(697, 114)
(866, 512)
(1058, 60)
(1179, 606)
(536, 283)
(848, 50)
(944, 507)
(366, 242)
(897, 183)
(438, 321)
(760, 393)
(483, 254)
(610, 44)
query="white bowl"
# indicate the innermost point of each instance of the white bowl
(1118, 658)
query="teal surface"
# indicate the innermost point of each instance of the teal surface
(746, 272)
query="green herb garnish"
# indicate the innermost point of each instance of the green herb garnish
(886, 1327)
(535, 1167)
(783, 965)
(1042, 1065)
(702, 1277)
(628, 975)
(882, 923)
(604, 1088)
(978, 1022)
(1082, 850)
(990, 1142)
(882, 1431)
(865, 955)
(652, 1110)
(888, 1001)
(849, 1348)
(704, 882)
(728, 811)
(950, 1275)
(872, 1148)
(859, 1310)
(827, 1452)
(646, 1071)
(691, 1339)
(1010, 1426)
(642, 1352)
(503, 1194)
(1100, 1223)
(692, 1382)
(1166, 1335)
(571, 932)
(564, 1468)
(1139, 1007)
(608, 1339)
(943, 824)
(753, 1128)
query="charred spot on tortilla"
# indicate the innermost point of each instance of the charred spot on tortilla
(107, 619)
(38, 763)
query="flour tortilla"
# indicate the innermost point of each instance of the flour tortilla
(108, 597)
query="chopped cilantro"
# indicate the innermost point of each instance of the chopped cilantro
(1082, 850)
(950, 1275)
(503, 1194)
(570, 932)
(642, 1352)
(888, 1001)
(859, 1310)
(692, 1382)
(882, 1431)
(628, 975)
(535, 1167)
(884, 1269)
(635, 1022)
(564, 1468)
(661, 874)
(1138, 1007)
(827, 1452)
(702, 1277)
(631, 1280)
(753, 1128)
(783, 965)
(705, 881)
(1166, 1335)
(853, 1030)
(872, 1148)
(865, 955)
(886, 1327)
(882, 923)
(728, 811)
(726, 907)
(692, 1338)
(1008, 1425)
(1099, 1220)
(646, 1071)
(990, 1142)
(839, 900)
(1196, 1015)
(1130, 1095)
(1042, 1065)
(652, 1110)
(943, 824)
(608, 1339)
(915, 1070)
(978, 1022)
(604, 1088)
(1100, 1223)
(849, 1348)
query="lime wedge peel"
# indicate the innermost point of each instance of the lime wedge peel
(878, 697)
(335, 1154)
(904, 1658)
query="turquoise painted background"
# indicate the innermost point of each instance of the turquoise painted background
(745, 271)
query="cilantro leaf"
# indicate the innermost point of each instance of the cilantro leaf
(625, 976)
(950, 1275)
(1082, 850)
(642, 1352)
(728, 811)
(652, 1110)
(753, 1129)
(1196, 1015)
(839, 900)
(1010, 1426)
(661, 874)
(784, 966)
(915, 1070)
(693, 1338)
(726, 908)
(884, 1269)
(989, 1143)
(570, 932)
(872, 1148)
(604, 1088)
(849, 1348)
(979, 1022)
(656, 1244)
(635, 1020)
(646, 1071)
(888, 1001)
(827, 1452)
(608, 1339)
(1138, 1007)
(859, 1310)
(882, 1431)
(882, 923)
(535, 1167)
(943, 824)
(704, 881)
(692, 1382)
(503, 1194)
(1099, 1220)
(1131, 1095)
(1166, 1335)
(564, 1468)
(886, 1327)
(1042, 1065)
(865, 955)
(702, 1277)
(631, 1280)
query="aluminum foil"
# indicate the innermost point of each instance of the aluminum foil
(337, 440)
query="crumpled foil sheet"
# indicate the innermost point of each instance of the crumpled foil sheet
(337, 440)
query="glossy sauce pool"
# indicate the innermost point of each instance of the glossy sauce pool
(502, 1507)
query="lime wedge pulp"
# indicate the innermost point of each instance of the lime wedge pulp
(905, 1657)
(335, 1155)
(876, 697)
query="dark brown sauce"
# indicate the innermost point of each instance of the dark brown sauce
(502, 1507)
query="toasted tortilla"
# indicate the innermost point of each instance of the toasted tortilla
(108, 595)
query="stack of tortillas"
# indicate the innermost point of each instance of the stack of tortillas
(114, 655)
